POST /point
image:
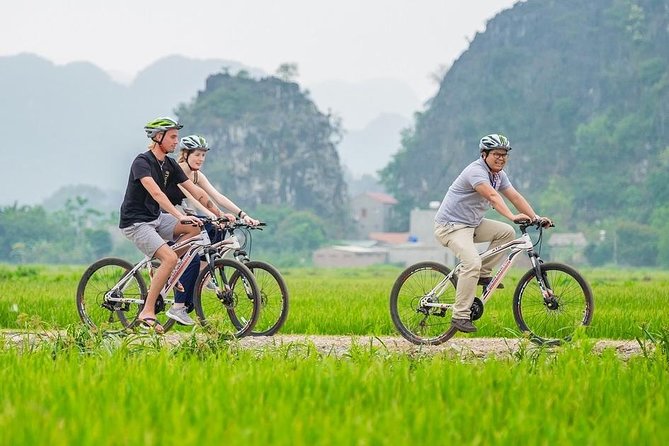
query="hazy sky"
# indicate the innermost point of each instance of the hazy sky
(349, 40)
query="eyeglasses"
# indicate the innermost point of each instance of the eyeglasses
(500, 156)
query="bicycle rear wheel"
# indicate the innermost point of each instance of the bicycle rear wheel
(273, 298)
(235, 309)
(555, 318)
(98, 312)
(415, 321)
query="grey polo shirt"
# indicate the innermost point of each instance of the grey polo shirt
(462, 204)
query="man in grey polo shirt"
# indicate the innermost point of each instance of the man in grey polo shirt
(459, 222)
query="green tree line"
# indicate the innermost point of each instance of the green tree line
(79, 234)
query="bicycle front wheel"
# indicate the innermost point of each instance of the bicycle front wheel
(553, 318)
(232, 309)
(273, 298)
(414, 287)
(94, 307)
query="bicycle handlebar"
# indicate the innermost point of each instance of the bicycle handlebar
(538, 223)
(242, 224)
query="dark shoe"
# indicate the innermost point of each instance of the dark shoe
(485, 281)
(463, 325)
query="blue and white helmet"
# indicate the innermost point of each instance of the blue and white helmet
(494, 141)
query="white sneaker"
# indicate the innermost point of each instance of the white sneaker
(180, 315)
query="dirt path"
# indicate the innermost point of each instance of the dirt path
(340, 345)
(463, 347)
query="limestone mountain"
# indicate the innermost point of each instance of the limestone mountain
(271, 144)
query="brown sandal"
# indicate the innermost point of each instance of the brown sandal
(149, 323)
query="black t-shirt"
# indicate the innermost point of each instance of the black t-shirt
(138, 205)
(174, 193)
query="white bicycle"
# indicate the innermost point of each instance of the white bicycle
(549, 303)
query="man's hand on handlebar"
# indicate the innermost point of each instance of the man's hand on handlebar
(521, 218)
(225, 219)
(190, 220)
(543, 221)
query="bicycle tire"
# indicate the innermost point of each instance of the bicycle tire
(235, 312)
(274, 299)
(96, 281)
(554, 321)
(421, 325)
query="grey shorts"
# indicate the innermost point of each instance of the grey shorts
(149, 236)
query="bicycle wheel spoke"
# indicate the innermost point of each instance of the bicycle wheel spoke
(234, 308)
(557, 317)
(103, 314)
(273, 298)
(415, 321)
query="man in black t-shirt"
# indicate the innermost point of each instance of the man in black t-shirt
(152, 173)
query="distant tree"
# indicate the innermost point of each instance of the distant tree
(636, 244)
(303, 231)
(287, 72)
(599, 253)
(660, 222)
(99, 241)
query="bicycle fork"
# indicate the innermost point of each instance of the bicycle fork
(223, 289)
(544, 286)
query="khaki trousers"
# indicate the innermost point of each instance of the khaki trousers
(461, 239)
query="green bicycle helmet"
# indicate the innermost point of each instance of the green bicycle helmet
(160, 125)
(193, 142)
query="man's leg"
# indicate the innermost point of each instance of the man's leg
(460, 240)
(146, 237)
(497, 233)
(168, 260)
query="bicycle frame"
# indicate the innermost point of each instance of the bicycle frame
(197, 245)
(521, 244)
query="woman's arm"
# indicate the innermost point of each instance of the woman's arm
(218, 197)
(224, 201)
(199, 208)
(202, 197)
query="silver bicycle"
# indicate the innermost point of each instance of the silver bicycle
(112, 291)
(549, 303)
(274, 296)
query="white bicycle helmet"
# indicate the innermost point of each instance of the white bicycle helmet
(494, 141)
(193, 142)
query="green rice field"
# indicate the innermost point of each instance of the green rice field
(83, 388)
(355, 301)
